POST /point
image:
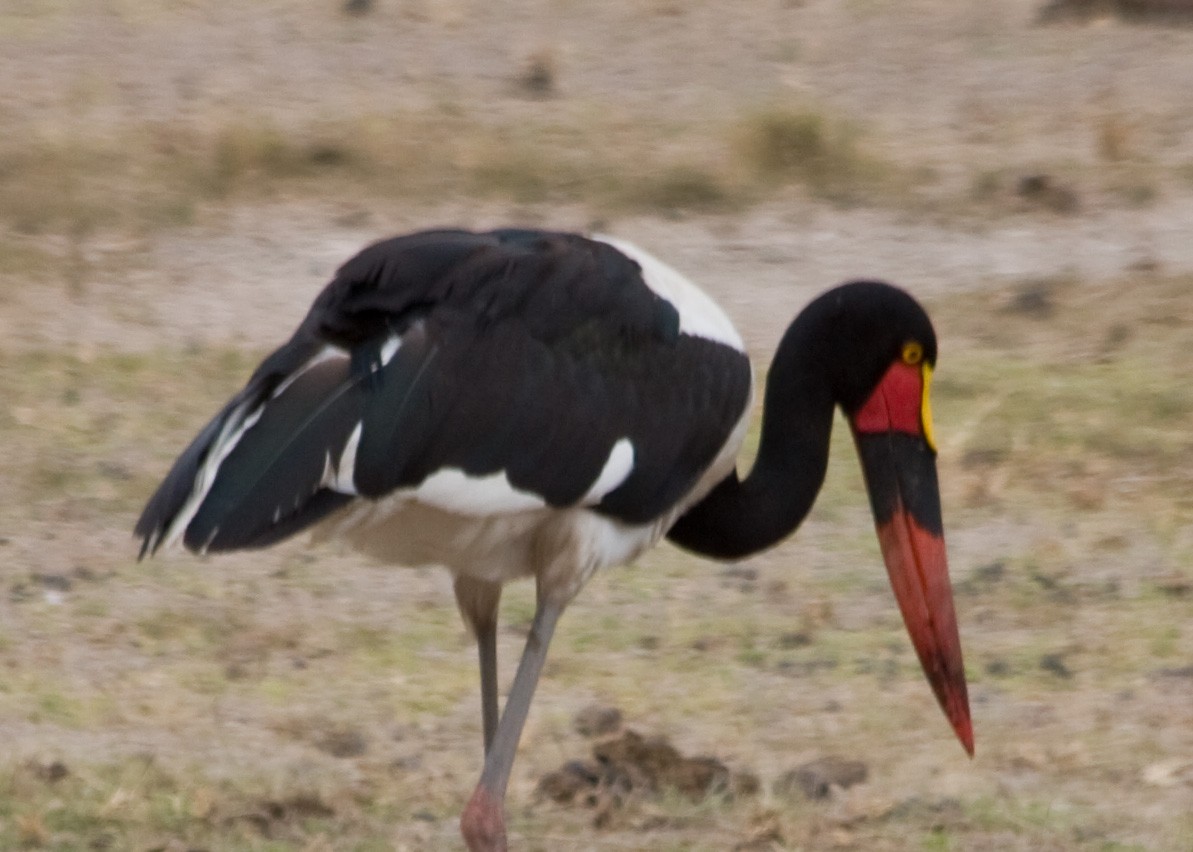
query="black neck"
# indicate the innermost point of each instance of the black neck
(740, 517)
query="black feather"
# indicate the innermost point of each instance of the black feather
(174, 490)
(278, 464)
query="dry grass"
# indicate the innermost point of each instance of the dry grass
(812, 149)
(148, 177)
(154, 176)
(65, 179)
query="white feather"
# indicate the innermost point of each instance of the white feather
(341, 476)
(452, 490)
(234, 428)
(389, 349)
(617, 467)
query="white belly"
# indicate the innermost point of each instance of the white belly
(569, 545)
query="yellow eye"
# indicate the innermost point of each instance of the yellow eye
(913, 353)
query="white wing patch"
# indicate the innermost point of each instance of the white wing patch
(699, 315)
(340, 476)
(452, 490)
(390, 348)
(617, 468)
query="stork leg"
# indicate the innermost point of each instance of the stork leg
(483, 821)
(478, 601)
(486, 643)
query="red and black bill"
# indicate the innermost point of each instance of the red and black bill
(893, 432)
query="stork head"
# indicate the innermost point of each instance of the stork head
(882, 380)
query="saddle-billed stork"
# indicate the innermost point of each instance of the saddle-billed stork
(529, 403)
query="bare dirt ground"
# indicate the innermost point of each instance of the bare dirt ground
(305, 699)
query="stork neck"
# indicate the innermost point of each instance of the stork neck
(739, 517)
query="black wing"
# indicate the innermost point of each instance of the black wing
(525, 352)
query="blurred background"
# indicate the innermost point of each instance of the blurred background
(178, 179)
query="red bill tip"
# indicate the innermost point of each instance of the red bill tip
(918, 568)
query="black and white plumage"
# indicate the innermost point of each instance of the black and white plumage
(479, 376)
(531, 403)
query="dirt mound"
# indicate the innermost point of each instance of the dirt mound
(631, 767)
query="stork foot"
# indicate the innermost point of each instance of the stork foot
(483, 822)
